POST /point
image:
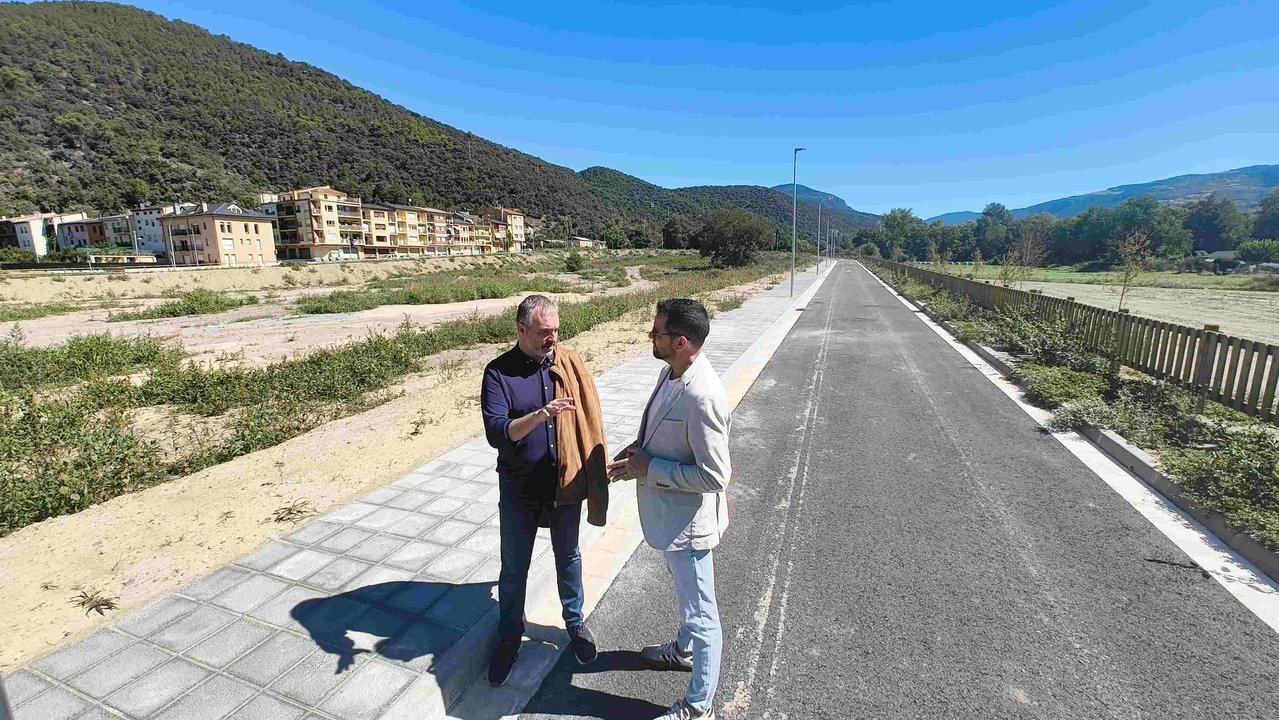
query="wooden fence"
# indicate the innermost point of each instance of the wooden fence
(1242, 374)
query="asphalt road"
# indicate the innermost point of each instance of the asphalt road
(906, 543)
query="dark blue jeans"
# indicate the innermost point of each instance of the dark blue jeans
(519, 517)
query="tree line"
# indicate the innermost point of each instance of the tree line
(1093, 237)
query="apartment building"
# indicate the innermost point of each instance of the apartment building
(406, 229)
(82, 233)
(469, 235)
(117, 231)
(37, 233)
(145, 224)
(324, 223)
(224, 234)
(317, 222)
(436, 234)
(514, 230)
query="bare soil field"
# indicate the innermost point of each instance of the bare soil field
(262, 333)
(1245, 313)
(30, 287)
(139, 546)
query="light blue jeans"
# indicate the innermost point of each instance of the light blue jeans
(699, 630)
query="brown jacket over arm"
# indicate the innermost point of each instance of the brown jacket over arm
(580, 434)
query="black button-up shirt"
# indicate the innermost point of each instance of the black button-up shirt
(514, 386)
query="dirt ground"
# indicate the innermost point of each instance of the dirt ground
(262, 333)
(140, 546)
(1246, 313)
(29, 287)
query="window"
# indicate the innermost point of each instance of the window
(260, 260)
(329, 208)
(330, 223)
(230, 259)
(228, 244)
(256, 229)
(259, 245)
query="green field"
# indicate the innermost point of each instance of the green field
(1160, 279)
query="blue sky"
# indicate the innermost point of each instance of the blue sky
(936, 106)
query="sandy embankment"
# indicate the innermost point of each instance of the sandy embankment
(141, 546)
(29, 287)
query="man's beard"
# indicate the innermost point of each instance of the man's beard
(658, 353)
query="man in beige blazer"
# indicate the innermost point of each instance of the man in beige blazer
(682, 468)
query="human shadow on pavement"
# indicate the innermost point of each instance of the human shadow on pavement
(413, 623)
(408, 622)
(558, 696)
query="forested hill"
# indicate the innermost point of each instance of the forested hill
(645, 201)
(105, 106)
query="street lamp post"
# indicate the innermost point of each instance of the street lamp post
(793, 208)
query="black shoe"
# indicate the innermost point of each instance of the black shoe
(583, 645)
(504, 656)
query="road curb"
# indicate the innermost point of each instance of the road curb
(1139, 463)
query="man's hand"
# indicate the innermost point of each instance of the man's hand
(559, 405)
(626, 452)
(634, 465)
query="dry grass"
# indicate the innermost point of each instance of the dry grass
(94, 600)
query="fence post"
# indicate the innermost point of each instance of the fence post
(1203, 365)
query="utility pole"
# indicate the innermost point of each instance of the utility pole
(794, 174)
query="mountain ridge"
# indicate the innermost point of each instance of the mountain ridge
(643, 200)
(1245, 186)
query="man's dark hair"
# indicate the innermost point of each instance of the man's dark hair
(686, 317)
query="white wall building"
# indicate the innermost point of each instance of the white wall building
(145, 225)
(38, 233)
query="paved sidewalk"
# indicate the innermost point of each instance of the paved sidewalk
(381, 610)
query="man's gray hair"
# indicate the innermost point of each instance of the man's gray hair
(532, 305)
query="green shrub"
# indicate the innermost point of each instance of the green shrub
(60, 456)
(445, 288)
(574, 262)
(17, 255)
(1239, 478)
(1078, 413)
(14, 313)
(196, 302)
(1258, 251)
(1051, 341)
(77, 359)
(1052, 386)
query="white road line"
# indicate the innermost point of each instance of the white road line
(793, 519)
(1240, 578)
(740, 703)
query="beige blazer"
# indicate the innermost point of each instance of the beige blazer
(682, 500)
